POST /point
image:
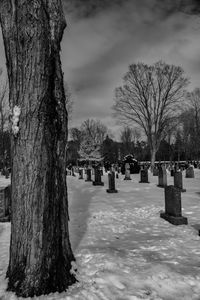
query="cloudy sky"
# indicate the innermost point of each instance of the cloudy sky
(104, 36)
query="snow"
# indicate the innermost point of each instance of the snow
(123, 249)
(4, 181)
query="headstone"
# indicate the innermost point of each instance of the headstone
(5, 204)
(178, 181)
(173, 210)
(162, 177)
(88, 175)
(97, 177)
(80, 173)
(73, 174)
(144, 176)
(189, 172)
(127, 172)
(111, 183)
(155, 171)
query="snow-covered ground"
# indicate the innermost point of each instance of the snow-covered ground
(123, 249)
(4, 181)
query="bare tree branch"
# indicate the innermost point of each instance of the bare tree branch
(150, 97)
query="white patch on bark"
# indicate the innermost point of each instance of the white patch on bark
(13, 6)
(15, 119)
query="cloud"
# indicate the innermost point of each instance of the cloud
(97, 47)
(90, 8)
(104, 36)
(189, 6)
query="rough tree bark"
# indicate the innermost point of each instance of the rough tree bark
(40, 251)
(4, 115)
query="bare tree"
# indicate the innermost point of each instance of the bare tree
(40, 251)
(76, 135)
(94, 130)
(126, 138)
(150, 97)
(136, 134)
(126, 135)
(190, 123)
(194, 104)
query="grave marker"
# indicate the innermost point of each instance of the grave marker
(97, 177)
(88, 175)
(111, 183)
(80, 173)
(178, 181)
(73, 174)
(173, 210)
(162, 177)
(155, 171)
(144, 176)
(127, 172)
(189, 172)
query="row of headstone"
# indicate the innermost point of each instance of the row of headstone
(173, 209)
(162, 178)
(189, 171)
(97, 179)
(178, 181)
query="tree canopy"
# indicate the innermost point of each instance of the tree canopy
(151, 96)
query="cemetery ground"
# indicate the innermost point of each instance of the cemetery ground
(123, 249)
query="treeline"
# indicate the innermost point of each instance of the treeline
(181, 144)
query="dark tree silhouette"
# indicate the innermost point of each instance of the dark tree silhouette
(150, 97)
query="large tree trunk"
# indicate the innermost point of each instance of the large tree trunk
(40, 251)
